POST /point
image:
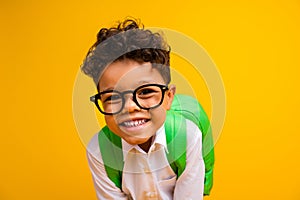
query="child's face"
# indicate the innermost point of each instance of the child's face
(140, 124)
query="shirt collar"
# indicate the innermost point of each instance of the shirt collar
(159, 138)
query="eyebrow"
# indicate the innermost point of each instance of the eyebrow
(143, 82)
(139, 83)
(107, 89)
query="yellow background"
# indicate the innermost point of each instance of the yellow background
(255, 45)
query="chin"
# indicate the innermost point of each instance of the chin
(136, 140)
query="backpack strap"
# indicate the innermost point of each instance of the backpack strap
(175, 129)
(112, 155)
(191, 109)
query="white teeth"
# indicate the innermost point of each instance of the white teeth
(134, 123)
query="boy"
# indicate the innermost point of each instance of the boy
(131, 68)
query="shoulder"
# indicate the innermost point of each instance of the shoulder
(193, 132)
(192, 129)
(93, 147)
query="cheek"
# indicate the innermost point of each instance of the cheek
(111, 123)
(159, 115)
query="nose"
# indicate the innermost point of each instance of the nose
(130, 105)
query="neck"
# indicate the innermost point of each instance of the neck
(146, 145)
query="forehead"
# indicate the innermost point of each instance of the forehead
(128, 74)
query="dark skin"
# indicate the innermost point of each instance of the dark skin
(146, 145)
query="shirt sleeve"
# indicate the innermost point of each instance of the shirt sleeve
(105, 188)
(190, 184)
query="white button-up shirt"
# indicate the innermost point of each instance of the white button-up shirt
(149, 175)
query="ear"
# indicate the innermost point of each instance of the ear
(170, 96)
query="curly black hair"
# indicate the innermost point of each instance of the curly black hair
(127, 40)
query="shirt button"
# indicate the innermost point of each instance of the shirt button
(151, 194)
(146, 170)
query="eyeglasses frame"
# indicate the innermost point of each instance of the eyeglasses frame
(95, 98)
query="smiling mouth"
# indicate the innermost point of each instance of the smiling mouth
(134, 123)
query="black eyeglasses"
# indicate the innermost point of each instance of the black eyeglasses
(146, 97)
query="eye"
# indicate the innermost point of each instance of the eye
(111, 98)
(146, 91)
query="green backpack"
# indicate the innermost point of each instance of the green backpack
(183, 107)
